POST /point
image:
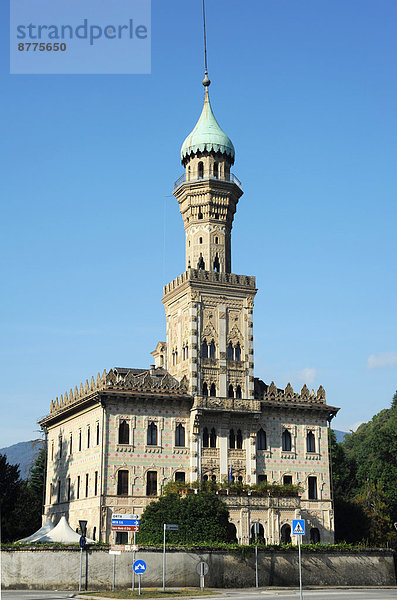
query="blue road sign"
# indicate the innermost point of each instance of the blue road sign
(298, 526)
(127, 522)
(139, 566)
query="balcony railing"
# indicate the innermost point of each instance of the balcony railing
(231, 177)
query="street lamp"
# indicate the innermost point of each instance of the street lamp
(196, 431)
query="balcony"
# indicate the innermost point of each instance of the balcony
(230, 178)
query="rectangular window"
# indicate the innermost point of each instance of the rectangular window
(59, 491)
(262, 478)
(97, 434)
(180, 476)
(121, 537)
(78, 487)
(96, 484)
(51, 492)
(287, 480)
(71, 444)
(312, 481)
(52, 451)
(79, 440)
(151, 483)
(122, 483)
(86, 485)
(88, 436)
(68, 488)
(94, 533)
(60, 446)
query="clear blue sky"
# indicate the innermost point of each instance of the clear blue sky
(90, 230)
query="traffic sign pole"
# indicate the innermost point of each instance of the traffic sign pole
(165, 528)
(300, 567)
(256, 557)
(139, 584)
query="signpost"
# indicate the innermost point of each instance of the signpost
(82, 541)
(139, 567)
(124, 522)
(298, 528)
(202, 570)
(167, 527)
(256, 531)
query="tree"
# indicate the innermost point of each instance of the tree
(10, 492)
(201, 518)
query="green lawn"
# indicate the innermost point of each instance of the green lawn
(149, 593)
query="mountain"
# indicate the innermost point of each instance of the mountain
(340, 435)
(23, 454)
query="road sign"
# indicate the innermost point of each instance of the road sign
(115, 552)
(82, 541)
(83, 526)
(122, 523)
(171, 527)
(139, 566)
(298, 526)
(125, 516)
(202, 568)
(124, 527)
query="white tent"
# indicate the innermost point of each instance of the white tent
(42, 531)
(61, 533)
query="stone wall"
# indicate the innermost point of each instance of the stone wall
(59, 569)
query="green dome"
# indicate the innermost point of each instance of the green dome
(207, 135)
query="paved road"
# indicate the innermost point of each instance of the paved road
(248, 594)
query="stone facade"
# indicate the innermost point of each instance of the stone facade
(198, 413)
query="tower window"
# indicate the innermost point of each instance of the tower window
(206, 438)
(200, 215)
(261, 440)
(232, 439)
(201, 240)
(238, 391)
(179, 435)
(310, 442)
(231, 392)
(217, 265)
(286, 442)
(212, 349)
(312, 481)
(124, 433)
(205, 389)
(122, 483)
(201, 263)
(212, 390)
(213, 438)
(239, 440)
(152, 434)
(200, 170)
(204, 349)
(229, 351)
(216, 170)
(237, 352)
(216, 240)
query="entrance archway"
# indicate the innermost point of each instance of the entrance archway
(286, 534)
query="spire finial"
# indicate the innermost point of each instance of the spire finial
(206, 80)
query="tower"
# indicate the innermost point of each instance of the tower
(209, 309)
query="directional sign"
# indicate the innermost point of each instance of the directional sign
(171, 527)
(124, 516)
(298, 526)
(139, 566)
(124, 524)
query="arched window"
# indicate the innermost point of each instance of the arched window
(287, 480)
(212, 390)
(151, 483)
(229, 351)
(216, 240)
(179, 435)
(232, 439)
(152, 434)
(286, 534)
(200, 170)
(213, 477)
(286, 441)
(122, 483)
(212, 349)
(205, 477)
(261, 440)
(200, 240)
(237, 352)
(232, 532)
(238, 392)
(180, 476)
(201, 263)
(213, 438)
(200, 215)
(216, 170)
(217, 265)
(314, 535)
(205, 389)
(124, 433)
(206, 438)
(231, 392)
(204, 349)
(310, 442)
(239, 439)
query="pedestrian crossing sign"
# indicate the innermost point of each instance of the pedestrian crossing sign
(298, 526)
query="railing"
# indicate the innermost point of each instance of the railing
(231, 177)
(210, 276)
